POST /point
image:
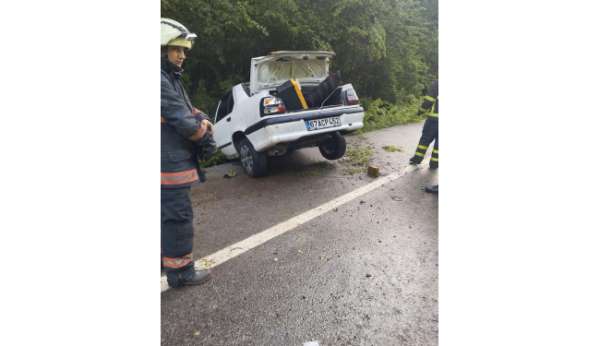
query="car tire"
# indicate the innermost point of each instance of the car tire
(253, 162)
(333, 148)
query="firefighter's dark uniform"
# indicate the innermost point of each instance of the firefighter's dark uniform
(178, 174)
(430, 107)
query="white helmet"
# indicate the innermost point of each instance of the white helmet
(173, 33)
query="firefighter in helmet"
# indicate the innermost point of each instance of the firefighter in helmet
(430, 107)
(181, 130)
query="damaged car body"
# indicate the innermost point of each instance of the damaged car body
(292, 101)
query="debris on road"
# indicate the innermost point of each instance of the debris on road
(207, 263)
(230, 174)
(316, 169)
(391, 148)
(373, 171)
(356, 159)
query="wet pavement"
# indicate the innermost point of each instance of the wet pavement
(362, 274)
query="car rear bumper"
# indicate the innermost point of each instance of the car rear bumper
(292, 126)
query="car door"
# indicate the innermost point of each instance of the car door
(223, 125)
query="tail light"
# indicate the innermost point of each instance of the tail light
(351, 97)
(271, 105)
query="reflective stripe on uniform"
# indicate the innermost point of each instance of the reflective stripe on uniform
(434, 159)
(429, 109)
(177, 262)
(424, 147)
(419, 154)
(179, 178)
(435, 151)
(432, 115)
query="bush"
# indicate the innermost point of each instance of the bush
(216, 159)
(381, 114)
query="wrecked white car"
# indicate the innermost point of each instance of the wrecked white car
(291, 102)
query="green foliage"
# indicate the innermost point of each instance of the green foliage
(391, 148)
(386, 48)
(380, 114)
(359, 156)
(356, 159)
(216, 159)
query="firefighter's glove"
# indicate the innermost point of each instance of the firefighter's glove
(205, 147)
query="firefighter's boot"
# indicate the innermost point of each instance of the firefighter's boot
(187, 276)
(415, 160)
(419, 153)
(431, 189)
(433, 164)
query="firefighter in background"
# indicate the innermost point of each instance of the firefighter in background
(429, 106)
(181, 130)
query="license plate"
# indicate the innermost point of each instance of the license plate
(317, 124)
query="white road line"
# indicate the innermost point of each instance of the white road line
(257, 239)
(311, 343)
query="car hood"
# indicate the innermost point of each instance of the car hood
(274, 69)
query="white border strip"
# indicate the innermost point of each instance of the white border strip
(253, 241)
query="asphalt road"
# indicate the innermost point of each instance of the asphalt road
(365, 273)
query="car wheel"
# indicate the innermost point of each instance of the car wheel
(253, 162)
(333, 148)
